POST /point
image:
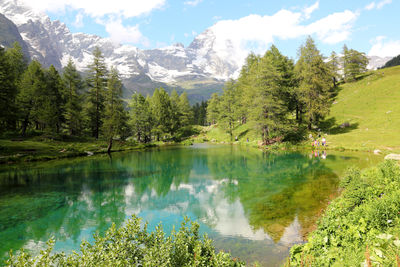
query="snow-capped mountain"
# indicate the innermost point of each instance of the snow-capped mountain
(51, 42)
(203, 66)
(376, 62)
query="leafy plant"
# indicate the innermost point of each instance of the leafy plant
(133, 245)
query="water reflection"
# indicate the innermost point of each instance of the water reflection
(253, 204)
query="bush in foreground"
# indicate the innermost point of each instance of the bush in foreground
(362, 226)
(133, 245)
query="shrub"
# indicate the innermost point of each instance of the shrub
(361, 227)
(133, 245)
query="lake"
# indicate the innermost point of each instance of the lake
(251, 203)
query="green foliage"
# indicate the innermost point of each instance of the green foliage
(97, 82)
(393, 62)
(72, 95)
(141, 119)
(354, 63)
(133, 245)
(200, 113)
(314, 78)
(361, 225)
(115, 117)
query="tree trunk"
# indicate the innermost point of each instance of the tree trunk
(109, 145)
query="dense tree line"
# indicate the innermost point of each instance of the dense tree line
(279, 97)
(36, 99)
(160, 116)
(393, 62)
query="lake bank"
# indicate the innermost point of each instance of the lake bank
(30, 150)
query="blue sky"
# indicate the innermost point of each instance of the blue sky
(368, 26)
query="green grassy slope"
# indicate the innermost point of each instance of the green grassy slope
(372, 107)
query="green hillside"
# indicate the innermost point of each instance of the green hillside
(372, 107)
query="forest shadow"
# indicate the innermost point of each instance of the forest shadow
(330, 126)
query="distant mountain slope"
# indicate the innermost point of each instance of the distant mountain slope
(9, 34)
(393, 62)
(371, 106)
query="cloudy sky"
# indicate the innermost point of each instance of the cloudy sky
(369, 26)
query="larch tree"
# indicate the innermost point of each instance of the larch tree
(314, 78)
(269, 107)
(334, 66)
(213, 108)
(115, 118)
(30, 95)
(53, 104)
(141, 119)
(185, 111)
(228, 108)
(7, 91)
(97, 82)
(72, 94)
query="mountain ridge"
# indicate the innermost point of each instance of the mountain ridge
(200, 65)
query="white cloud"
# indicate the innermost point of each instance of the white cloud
(193, 2)
(309, 10)
(78, 21)
(384, 48)
(99, 8)
(236, 38)
(379, 5)
(105, 12)
(124, 34)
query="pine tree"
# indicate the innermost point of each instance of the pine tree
(161, 112)
(115, 115)
(334, 67)
(213, 108)
(228, 108)
(185, 111)
(175, 111)
(52, 109)
(141, 120)
(7, 91)
(72, 96)
(30, 95)
(18, 64)
(355, 64)
(270, 95)
(314, 83)
(97, 81)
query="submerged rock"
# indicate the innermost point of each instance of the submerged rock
(393, 156)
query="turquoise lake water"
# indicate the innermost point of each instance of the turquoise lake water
(252, 204)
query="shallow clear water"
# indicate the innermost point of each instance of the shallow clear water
(253, 204)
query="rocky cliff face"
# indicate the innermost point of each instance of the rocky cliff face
(51, 42)
(9, 34)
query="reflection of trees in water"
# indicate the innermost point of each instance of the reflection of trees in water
(274, 189)
(62, 200)
(59, 201)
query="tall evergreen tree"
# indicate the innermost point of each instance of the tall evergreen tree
(213, 108)
(97, 82)
(7, 91)
(161, 112)
(185, 111)
(52, 109)
(270, 95)
(72, 96)
(334, 66)
(30, 95)
(176, 114)
(314, 83)
(115, 121)
(355, 64)
(141, 120)
(228, 112)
